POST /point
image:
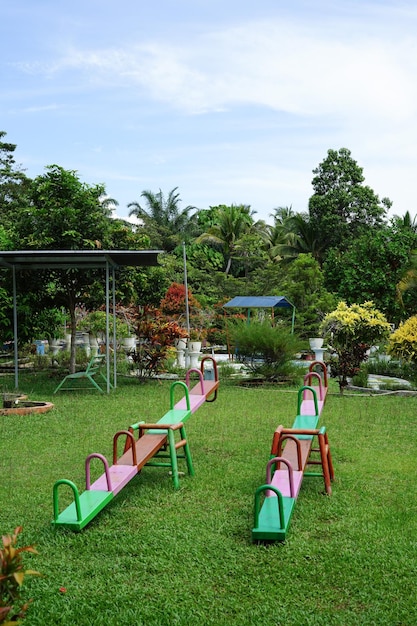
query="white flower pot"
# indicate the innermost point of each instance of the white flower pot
(129, 343)
(194, 346)
(316, 343)
(180, 344)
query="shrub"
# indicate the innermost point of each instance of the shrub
(351, 331)
(403, 341)
(157, 335)
(267, 351)
(12, 575)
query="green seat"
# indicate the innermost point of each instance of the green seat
(273, 517)
(83, 509)
(94, 368)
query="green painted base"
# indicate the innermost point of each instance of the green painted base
(91, 503)
(269, 527)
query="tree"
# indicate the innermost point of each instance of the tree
(14, 185)
(342, 207)
(230, 223)
(281, 236)
(64, 214)
(371, 268)
(166, 224)
(303, 285)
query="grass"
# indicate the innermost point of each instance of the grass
(156, 556)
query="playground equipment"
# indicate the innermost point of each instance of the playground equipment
(154, 442)
(292, 452)
(93, 369)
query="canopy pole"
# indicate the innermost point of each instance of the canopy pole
(15, 347)
(114, 329)
(107, 328)
(187, 311)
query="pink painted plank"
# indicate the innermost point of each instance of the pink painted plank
(120, 475)
(281, 481)
(308, 407)
(209, 387)
(195, 402)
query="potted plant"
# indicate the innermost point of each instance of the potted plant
(195, 339)
(95, 323)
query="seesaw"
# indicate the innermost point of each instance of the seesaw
(287, 466)
(155, 441)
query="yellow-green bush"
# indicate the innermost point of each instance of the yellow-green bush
(403, 341)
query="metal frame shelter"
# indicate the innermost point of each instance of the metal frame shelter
(261, 302)
(109, 260)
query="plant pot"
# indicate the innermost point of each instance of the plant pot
(316, 343)
(180, 344)
(129, 343)
(194, 346)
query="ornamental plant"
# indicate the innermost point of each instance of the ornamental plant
(402, 342)
(12, 574)
(266, 350)
(157, 334)
(350, 332)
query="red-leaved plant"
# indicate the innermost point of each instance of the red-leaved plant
(12, 574)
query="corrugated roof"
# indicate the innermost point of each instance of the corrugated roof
(258, 302)
(81, 259)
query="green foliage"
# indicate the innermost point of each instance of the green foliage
(303, 285)
(403, 341)
(166, 224)
(360, 379)
(64, 213)
(341, 206)
(12, 575)
(265, 349)
(95, 322)
(371, 267)
(157, 336)
(14, 185)
(48, 323)
(228, 225)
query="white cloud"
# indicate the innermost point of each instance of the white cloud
(276, 64)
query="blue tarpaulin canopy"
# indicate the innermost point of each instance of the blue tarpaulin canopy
(261, 302)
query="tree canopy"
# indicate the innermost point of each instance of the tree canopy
(342, 207)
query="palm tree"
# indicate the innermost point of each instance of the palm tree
(292, 234)
(281, 238)
(231, 223)
(166, 223)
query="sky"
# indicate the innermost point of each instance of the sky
(231, 101)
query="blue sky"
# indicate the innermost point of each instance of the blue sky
(231, 101)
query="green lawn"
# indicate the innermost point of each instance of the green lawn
(156, 556)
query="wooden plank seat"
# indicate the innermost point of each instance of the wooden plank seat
(291, 454)
(84, 508)
(118, 474)
(196, 395)
(211, 379)
(154, 442)
(86, 505)
(309, 401)
(287, 480)
(272, 518)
